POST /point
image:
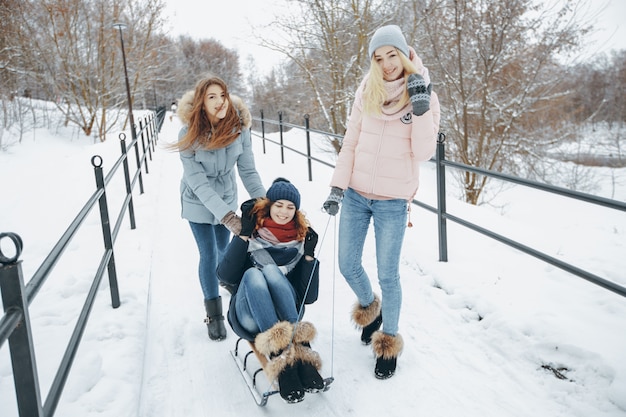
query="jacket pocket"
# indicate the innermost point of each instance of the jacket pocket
(189, 195)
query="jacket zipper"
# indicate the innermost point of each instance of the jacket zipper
(375, 167)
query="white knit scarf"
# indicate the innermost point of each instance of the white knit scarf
(395, 90)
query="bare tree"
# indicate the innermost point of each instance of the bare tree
(327, 41)
(73, 54)
(497, 70)
(146, 48)
(8, 67)
(600, 86)
(198, 57)
(9, 51)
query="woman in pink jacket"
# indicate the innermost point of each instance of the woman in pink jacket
(392, 128)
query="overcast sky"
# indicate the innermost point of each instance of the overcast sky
(231, 22)
(228, 21)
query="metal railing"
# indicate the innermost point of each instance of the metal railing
(15, 325)
(442, 215)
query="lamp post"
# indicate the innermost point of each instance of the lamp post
(131, 118)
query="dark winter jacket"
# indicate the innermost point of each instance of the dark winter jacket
(237, 260)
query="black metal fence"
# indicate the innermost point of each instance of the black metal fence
(442, 215)
(15, 325)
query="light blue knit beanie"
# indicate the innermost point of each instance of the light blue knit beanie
(390, 35)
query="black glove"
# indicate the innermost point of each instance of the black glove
(331, 205)
(248, 220)
(419, 94)
(310, 241)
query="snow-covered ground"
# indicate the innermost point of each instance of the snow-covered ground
(482, 332)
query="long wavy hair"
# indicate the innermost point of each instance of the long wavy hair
(261, 210)
(374, 93)
(201, 133)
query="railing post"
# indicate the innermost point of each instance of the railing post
(282, 148)
(21, 339)
(143, 147)
(441, 198)
(138, 161)
(96, 161)
(153, 131)
(146, 127)
(263, 130)
(129, 190)
(308, 146)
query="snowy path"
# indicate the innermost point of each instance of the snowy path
(186, 374)
(453, 363)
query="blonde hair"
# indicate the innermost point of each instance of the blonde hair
(374, 93)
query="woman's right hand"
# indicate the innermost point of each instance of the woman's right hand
(331, 205)
(232, 223)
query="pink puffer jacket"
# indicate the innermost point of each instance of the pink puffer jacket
(380, 155)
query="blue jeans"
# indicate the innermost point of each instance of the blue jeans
(390, 218)
(212, 240)
(264, 298)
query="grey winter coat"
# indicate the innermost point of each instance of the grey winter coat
(208, 189)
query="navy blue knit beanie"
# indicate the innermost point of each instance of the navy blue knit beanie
(282, 189)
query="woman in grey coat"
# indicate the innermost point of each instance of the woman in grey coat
(214, 139)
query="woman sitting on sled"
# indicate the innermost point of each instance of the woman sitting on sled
(267, 270)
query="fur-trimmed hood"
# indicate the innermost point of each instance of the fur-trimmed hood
(186, 101)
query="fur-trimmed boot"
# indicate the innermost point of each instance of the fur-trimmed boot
(308, 361)
(215, 319)
(275, 343)
(387, 348)
(368, 319)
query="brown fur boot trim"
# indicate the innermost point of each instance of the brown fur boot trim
(274, 339)
(362, 316)
(305, 332)
(304, 353)
(368, 319)
(308, 364)
(387, 348)
(279, 362)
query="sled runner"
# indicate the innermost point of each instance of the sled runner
(250, 377)
(250, 373)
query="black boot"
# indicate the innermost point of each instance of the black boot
(289, 385)
(215, 319)
(387, 348)
(310, 377)
(275, 343)
(308, 361)
(368, 331)
(368, 319)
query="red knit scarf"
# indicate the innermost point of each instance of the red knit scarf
(279, 232)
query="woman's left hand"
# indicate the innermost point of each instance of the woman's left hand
(310, 241)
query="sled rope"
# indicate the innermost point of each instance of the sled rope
(301, 312)
(332, 320)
